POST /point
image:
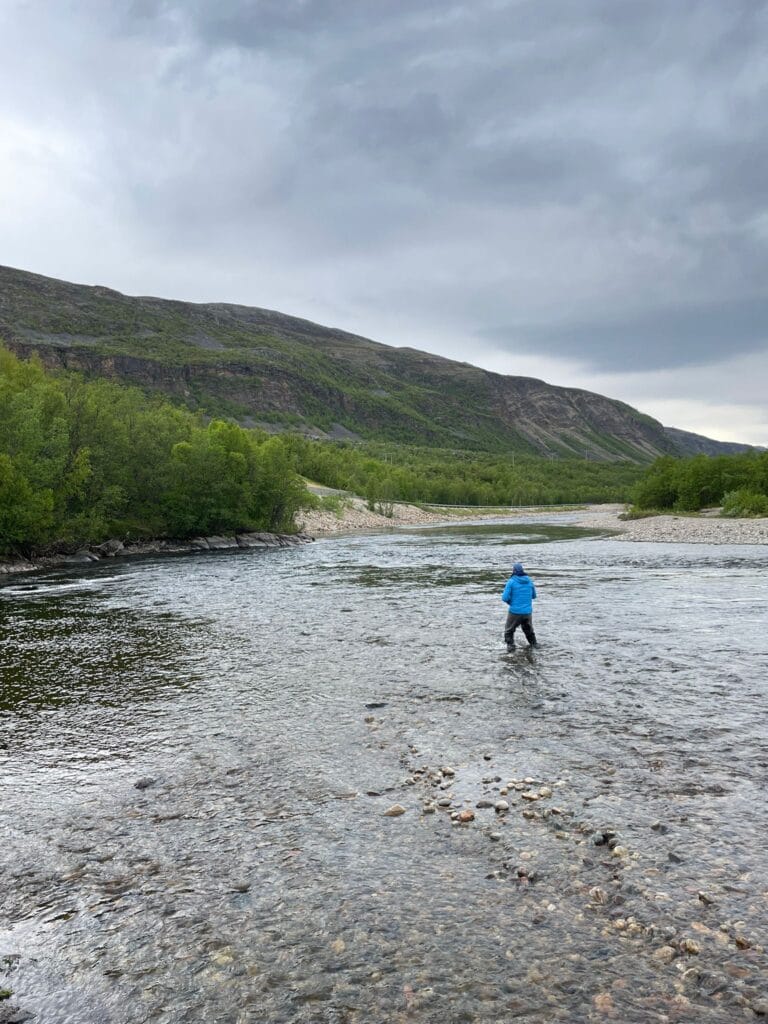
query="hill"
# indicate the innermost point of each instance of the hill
(266, 368)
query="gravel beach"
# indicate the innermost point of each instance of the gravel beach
(706, 528)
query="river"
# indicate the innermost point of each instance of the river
(197, 754)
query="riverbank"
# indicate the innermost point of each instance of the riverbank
(704, 528)
(133, 549)
(700, 529)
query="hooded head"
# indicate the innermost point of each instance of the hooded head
(517, 569)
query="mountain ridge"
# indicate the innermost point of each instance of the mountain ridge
(272, 369)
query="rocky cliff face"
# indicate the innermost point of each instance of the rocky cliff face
(262, 366)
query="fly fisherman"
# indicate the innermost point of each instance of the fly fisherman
(519, 594)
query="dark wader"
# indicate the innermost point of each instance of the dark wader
(525, 622)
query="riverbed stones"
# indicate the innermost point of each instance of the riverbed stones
(688, 945)
(664, 954)
(394, 811)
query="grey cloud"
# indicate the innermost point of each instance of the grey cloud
(581, 179)
(661, 338)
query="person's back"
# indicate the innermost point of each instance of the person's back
(519, 594)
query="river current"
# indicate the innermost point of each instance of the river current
(197, 754)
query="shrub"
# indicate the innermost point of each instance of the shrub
(744, 502)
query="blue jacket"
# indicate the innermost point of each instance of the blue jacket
(519, 594)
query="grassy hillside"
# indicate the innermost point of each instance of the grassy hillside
(265, 368)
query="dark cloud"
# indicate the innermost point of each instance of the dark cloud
(582, 179)
(661, 338)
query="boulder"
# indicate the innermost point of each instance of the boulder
(221, 543)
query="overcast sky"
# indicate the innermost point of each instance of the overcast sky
(575, 190)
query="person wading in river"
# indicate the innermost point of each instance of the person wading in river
(519, 594)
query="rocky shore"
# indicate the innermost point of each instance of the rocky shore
(706, 528)
(119, 549)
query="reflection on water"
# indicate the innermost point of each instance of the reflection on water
(272, 705)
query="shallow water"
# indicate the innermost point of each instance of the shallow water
(282, 700)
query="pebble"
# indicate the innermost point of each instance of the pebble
(466, 815)
(545, 791)
(448, 771)
(429, 808)
(394, 811)
(690, 946)
(484, 803)
(444, 802)
(500, 806)
(494, 836)
(144, 783)
(665, 953)
(530, 796)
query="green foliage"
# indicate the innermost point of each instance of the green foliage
(687, 485)
(81, 461)
(383, 473)
(744, 502)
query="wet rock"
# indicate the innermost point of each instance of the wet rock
(241, 885)
(449, 772)
(145, 783)
(429, 808)
(394, 811)
(760, 1007)
(706, 899)
(466, 815)
(674, 857)
(486, 757)
(544, 792)
(13, 1015)
(620, 851)
(221, 543)
(597, 839)
(501, 806)
(109, 548)
(604, 1002)
(530, 796)
(481, 804)
(444, 801)
(495, 836)
(690, 946)
(660, 827)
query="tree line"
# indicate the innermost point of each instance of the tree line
(738, 483)
(388, 472)
(81, 461)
